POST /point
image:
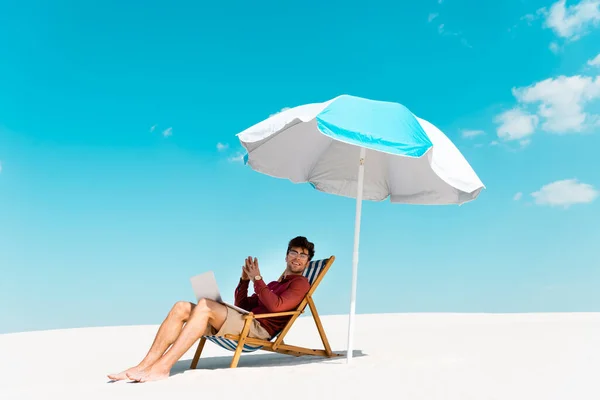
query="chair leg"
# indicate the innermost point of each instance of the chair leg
(198, 352)
(240, 346)
(313, 310)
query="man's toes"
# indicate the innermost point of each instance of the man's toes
(132, 376)
(117, 377)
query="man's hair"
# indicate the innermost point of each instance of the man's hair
(301, 241)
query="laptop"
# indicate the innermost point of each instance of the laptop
(205, 286)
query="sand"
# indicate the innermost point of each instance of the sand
(396, 356)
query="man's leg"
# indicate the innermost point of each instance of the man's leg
(167, 333)
(206, 312)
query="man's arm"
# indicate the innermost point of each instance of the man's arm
(288, 300)
(241, 296)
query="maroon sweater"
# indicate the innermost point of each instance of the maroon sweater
(274, 297)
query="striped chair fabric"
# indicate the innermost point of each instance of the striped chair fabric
(311, 272)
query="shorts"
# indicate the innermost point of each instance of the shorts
(234, 324)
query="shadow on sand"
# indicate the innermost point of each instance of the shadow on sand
(256, 361)
(259, 361)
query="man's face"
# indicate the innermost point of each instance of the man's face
(297, 259)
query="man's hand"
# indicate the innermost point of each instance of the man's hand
(251, 268)
(245, 276)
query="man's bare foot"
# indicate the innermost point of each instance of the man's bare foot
(124, 374)
(138, 374)
(154, 373)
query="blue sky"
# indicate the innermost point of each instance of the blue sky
(120, 175)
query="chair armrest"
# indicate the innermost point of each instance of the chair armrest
(278, 314)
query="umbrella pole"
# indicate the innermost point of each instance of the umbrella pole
(359, 196)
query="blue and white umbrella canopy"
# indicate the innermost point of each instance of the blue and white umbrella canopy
(365, 149)
(407, 158)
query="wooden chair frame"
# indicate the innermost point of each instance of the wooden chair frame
(278, 346)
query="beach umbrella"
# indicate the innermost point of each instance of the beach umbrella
(364, 149)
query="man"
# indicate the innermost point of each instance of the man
(187, 322)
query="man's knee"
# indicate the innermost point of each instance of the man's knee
(209, 307)
(215, 311)
(205, 305)
(182, 309)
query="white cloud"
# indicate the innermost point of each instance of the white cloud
(518, 196)
(516, 124)
(466, 43)
(529, 18)
(594, 62)
(574, 21)
(494, 143)
(168, 132)
(554, 47)
(222, 146)
(442, 30)
(565, 193)
(239, 157)
(525, 142)
(152, 128)
(568, 23)
(471, 133)
(432, 16)
(562, 101)
(558, 105)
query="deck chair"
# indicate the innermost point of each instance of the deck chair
(315, 271)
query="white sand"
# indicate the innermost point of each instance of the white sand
(398, 356)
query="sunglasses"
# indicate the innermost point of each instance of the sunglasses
(294, 253)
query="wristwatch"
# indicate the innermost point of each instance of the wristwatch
(257, 278)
